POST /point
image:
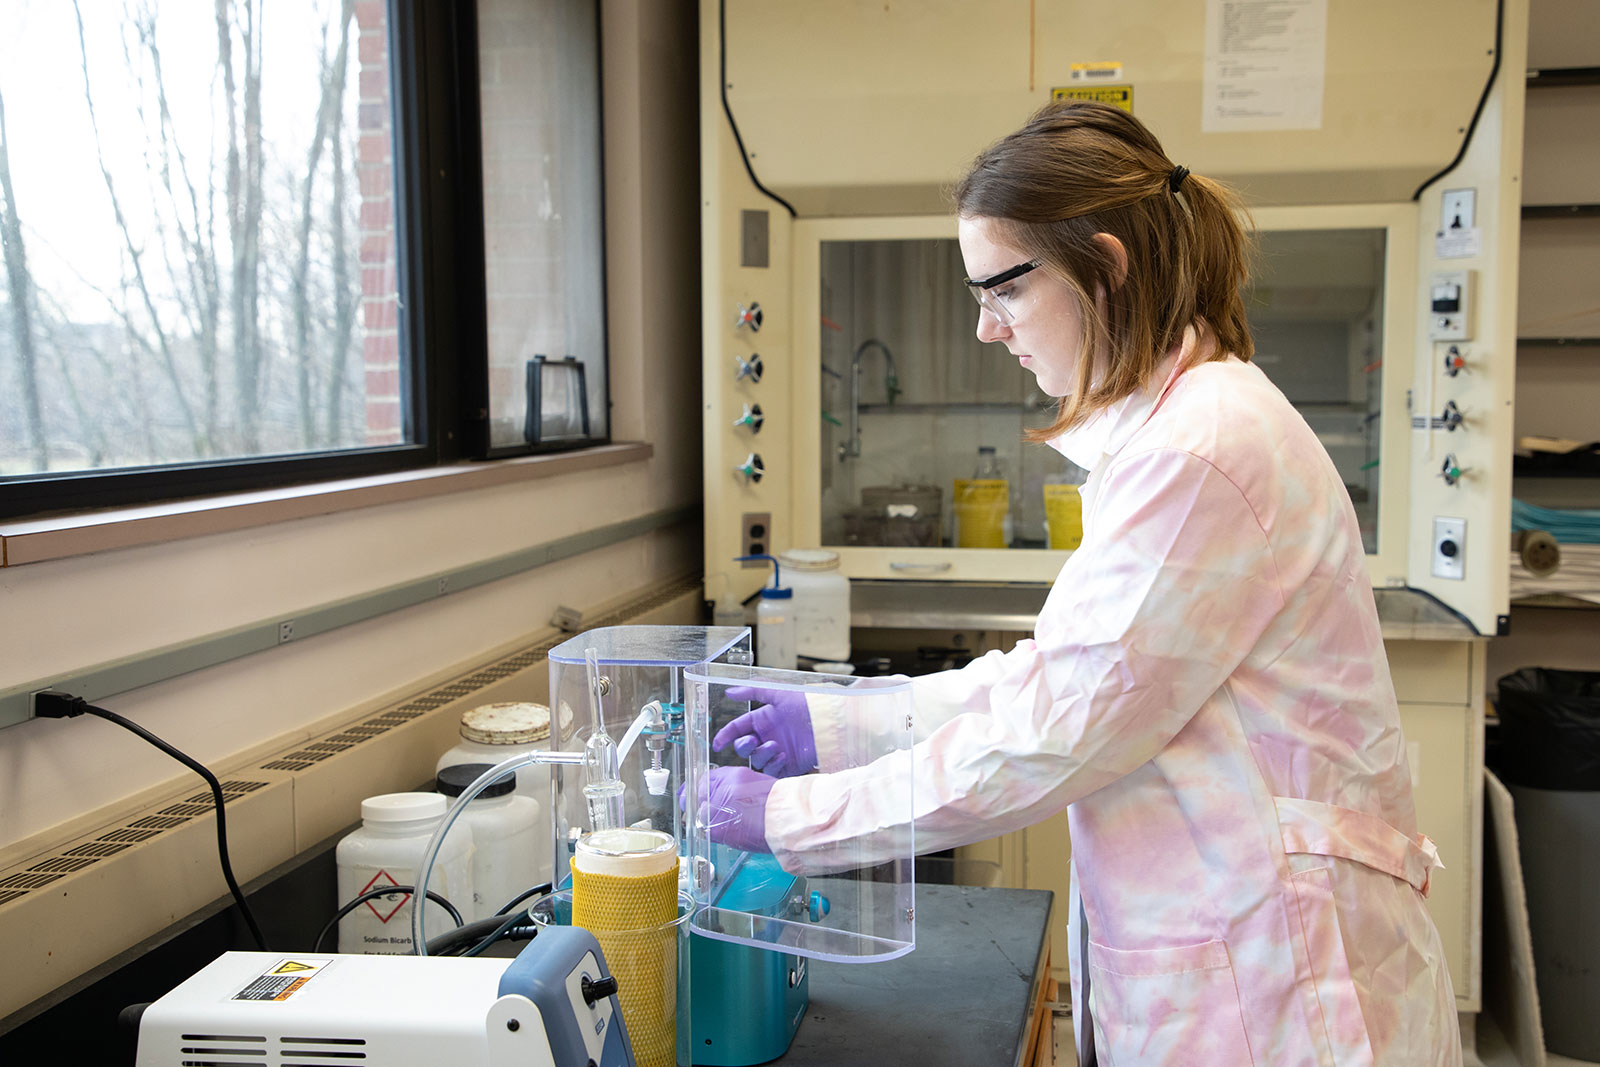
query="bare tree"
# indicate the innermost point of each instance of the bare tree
(162, 345)
(19, 288)
(329, 111)
(346, 296)
(244, 172)
(198, 290)
(237, 300)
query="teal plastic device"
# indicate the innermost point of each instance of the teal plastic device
(747, 1002)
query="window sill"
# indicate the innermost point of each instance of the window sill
(81, 533)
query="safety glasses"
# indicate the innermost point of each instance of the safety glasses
(999, 294)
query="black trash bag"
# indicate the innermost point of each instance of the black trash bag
(1549, 736)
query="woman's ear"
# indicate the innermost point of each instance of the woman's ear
(1118, 255)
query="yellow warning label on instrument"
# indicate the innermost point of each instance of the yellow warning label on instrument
(283, 980)
(1115, 95)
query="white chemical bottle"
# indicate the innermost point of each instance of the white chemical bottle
(775, 629)
(493, 733)
(385, 850)
(821, 604)
(510, 854)
(774, 621)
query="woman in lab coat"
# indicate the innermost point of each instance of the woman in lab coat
(1206, 691)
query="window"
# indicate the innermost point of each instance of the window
(545, 266)
(249, 244)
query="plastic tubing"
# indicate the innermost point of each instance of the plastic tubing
(650, 714)
(419, 943)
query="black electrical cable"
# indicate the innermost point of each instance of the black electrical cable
(537, 891)
(453, 941)
(727, 109)
(52, 705)
(1494, 71)
(382, 891)
(499, 932)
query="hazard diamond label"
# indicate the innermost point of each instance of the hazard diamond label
(283, 980)
(384, 913)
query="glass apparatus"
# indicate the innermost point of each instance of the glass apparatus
(633, 711)
(850, 902)
(624, 711)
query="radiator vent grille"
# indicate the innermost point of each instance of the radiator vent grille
(87, 854)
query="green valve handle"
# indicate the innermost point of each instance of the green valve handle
(752, 418)
(751, 469)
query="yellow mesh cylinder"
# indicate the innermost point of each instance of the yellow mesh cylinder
(625, 892)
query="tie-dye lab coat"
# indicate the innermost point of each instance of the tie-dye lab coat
(1207, 695)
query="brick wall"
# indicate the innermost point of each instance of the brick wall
(380, 302)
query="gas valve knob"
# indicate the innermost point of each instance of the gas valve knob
(1452, 470)
(748, 316)
(751, 419)
(1454, 361)
(819, 907)
(1451, 418)
(751, 469)
(749, 368)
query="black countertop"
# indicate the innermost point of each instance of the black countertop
(963, 996)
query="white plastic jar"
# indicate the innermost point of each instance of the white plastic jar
(510, 855)
(775, 628)
(385, 850)
(821, 603)
(493, 733)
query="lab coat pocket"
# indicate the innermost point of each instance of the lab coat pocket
(1330, 969)
(1173, 1005)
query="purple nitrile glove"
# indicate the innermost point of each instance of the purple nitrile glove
(733, 807)
(776, 738)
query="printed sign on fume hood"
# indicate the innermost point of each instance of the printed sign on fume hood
(1265, 65)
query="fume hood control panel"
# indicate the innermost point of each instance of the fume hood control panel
(1450, 305)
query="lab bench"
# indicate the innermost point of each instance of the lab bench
(976, 989)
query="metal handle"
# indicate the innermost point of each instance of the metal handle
(920, 568)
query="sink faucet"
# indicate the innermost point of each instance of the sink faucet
(891, 384)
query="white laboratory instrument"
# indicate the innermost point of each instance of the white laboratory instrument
(554, 1005)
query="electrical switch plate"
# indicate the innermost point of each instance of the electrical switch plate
(1449, 548)
(755, 536)
(1457, 209)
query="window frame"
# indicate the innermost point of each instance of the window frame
(440, 256)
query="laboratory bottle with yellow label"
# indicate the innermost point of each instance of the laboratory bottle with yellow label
(982, 504)
(1063, 507)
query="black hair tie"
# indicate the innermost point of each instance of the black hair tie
(1175, 179)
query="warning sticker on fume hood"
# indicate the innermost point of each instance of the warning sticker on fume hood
(283, 979)
(1093, 73)
(1115, 95)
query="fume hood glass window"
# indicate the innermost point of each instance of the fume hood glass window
(543, 238)
(922, 443)
(197, 208)
(1316, 312)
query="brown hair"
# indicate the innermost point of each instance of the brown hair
(1077, 169)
